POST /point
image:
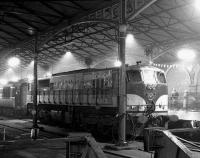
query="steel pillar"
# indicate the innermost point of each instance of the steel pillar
(34, 132)
(122, 74)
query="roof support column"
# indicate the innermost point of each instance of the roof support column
(35, 130)
(122, 74)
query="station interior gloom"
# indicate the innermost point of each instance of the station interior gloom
(100, 79)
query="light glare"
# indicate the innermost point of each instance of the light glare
(129, 38)
(13, 62)
(3, 81)
(197, 4)
(117, 63)
(30, 78)
(186, 54)
(68, 54)
(32, 62)
(14, 79)
(48, 74)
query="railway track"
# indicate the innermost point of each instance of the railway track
(10, 132)
(191, 145)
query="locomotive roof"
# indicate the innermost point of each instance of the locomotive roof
(135, 67)
(82, 71)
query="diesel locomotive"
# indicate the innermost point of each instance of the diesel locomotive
(89, 98)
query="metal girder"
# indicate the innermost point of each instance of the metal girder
(140, 9)
(160, 27)
(162, 11)
(102, 43)
(10, 34)
(79, 6)
(55, 10)
(20, 5)
(80, 48)
(24, 21)
(16, 28)
(5, 39)
(92, 46)
(179, 21)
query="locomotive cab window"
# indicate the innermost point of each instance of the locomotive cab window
(161, 77)
(149, 76)
(134, 76)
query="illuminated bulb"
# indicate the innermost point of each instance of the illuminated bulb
(30, 78)
(32, 62)
(129, 39)
(13, 62)
(117, 63)
(68, 54)
(197, 4)
(186, 54)
(3, 81)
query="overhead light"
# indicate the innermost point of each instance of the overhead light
(117, 63)
(186, 54)
(130, 39)
(13, 62)
(3, 81)
(31, 30)
(197, 4)
(32, 62)
(68, 54)
(30, 78)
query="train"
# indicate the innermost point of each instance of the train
(88, 99)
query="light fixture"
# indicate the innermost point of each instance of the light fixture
(31, 30)
(186, 54)
(197, 4)
(32, 62)
(129, 39)
(3, 81)
(117, 63)
(30, 78)
(68, 54)
(13, 62)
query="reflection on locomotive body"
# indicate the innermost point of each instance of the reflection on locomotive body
(89, 98)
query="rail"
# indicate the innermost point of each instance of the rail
(166, 145)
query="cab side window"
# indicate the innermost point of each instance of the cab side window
(134, 76)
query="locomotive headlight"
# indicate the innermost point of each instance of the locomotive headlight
(150, 96)
(150, 87)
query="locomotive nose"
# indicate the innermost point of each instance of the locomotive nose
(150, 91)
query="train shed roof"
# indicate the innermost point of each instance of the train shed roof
(89, 29)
